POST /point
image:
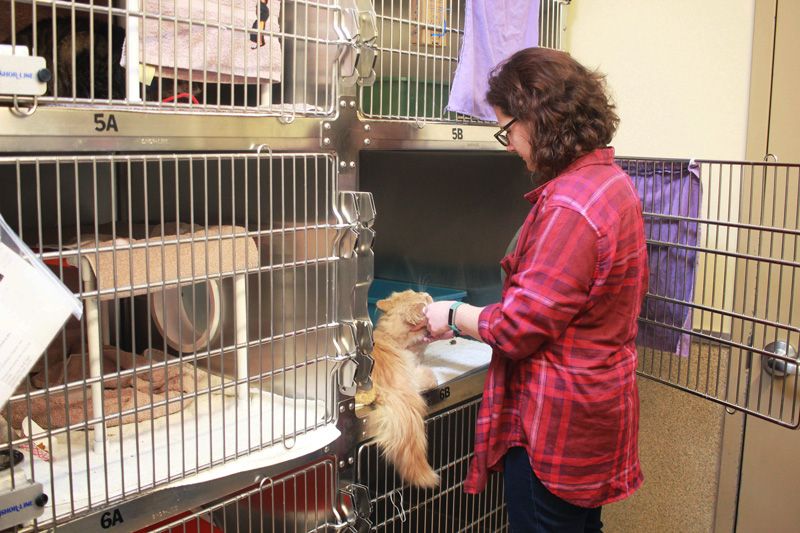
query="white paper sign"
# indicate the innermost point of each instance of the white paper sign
(33, 307)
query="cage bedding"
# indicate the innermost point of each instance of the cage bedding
(212, 41)
(140, 392)
(450, 359)
(214, 428)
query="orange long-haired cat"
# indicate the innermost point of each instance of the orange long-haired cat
(398, 421)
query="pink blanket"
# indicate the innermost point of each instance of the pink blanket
(120, 394)
(225, 40)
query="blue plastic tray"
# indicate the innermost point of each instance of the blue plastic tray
(381, 288)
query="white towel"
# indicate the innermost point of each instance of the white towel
(222, 50)
(449, 359)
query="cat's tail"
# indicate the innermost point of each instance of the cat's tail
(399, 422)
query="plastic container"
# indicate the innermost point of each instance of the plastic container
(381, 288)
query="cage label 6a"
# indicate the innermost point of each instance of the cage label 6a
(111, 519)
(103, 122)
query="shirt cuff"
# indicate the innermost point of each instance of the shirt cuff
(483, 322)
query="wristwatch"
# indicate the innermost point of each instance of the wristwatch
(451, 317)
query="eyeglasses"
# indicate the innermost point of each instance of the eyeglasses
(502, 135)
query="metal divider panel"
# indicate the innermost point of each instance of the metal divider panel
(721, 317)
(265, 57)
(210, 317)
(398, 507)
(418, 52)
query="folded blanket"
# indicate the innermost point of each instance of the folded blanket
(218, 40)
(120, 393)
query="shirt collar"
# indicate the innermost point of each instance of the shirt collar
(600, 156)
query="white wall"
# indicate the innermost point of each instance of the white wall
(679, 71)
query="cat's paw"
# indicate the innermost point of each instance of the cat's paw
(426, 379)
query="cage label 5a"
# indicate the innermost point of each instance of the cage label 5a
(103, 122)
(110, 519)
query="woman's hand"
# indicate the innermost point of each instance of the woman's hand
(436, 313)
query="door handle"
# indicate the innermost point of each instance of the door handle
(780, 368)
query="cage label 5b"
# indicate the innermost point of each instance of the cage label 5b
(458, 134)
(103, 122)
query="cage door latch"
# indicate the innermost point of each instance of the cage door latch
(356, 271)
(354, 508)
(359, 28)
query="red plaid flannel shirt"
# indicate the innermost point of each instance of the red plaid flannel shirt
(562, 379)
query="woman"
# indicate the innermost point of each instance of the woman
(560, 409)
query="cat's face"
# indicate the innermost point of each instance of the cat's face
(404, 317)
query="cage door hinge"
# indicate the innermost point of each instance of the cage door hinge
(354, 349)
(355, 274)
(358, 27)
(354, 509)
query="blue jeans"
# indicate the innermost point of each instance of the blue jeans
(534, 509)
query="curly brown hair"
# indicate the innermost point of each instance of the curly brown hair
(564, 105)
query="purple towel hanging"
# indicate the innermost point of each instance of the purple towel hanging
(671, 194)
(493, 30)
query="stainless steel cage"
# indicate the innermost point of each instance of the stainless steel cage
(724, 241)
(266, 57)
(296, 502)
(212, 328)
(417, 54)
(397, 507)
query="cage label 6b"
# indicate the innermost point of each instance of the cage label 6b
(103, 122)
(111, 519)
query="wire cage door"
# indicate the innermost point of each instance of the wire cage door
(265, 57)
(722, 319)
(398, 507)
(297, 502)
(418, 50)
(211, 329)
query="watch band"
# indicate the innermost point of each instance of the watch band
(451, 317)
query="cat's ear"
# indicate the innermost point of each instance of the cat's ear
(415, 314)
(383, 305)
